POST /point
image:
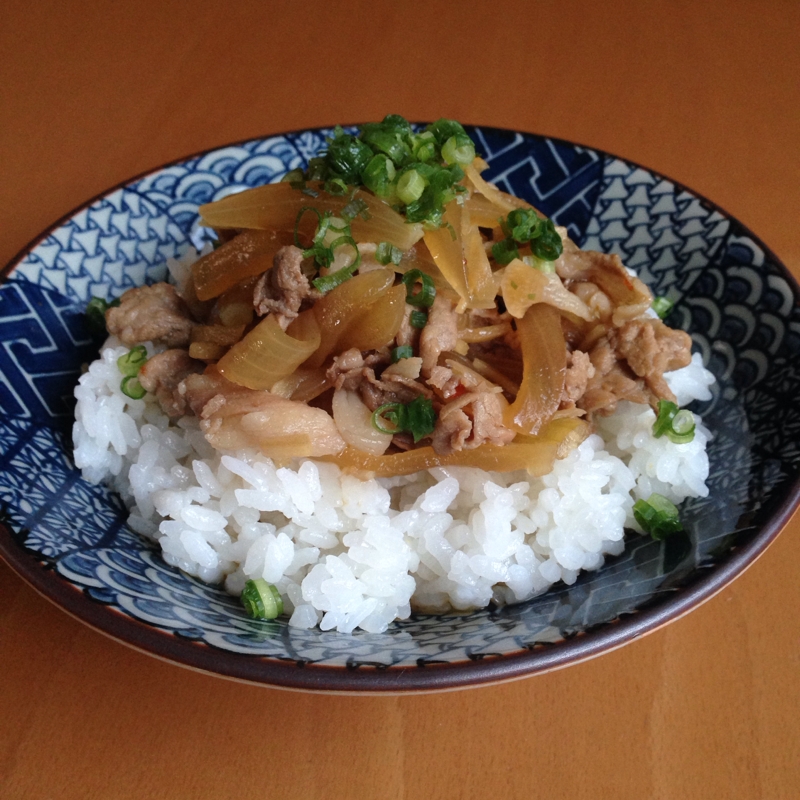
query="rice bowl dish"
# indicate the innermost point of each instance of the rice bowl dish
(346, 551)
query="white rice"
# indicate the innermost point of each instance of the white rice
(347, 553)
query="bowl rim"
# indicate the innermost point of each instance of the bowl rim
(277, 673)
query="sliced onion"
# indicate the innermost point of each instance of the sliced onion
(268, 353)
(536, 457)
(246, 255)
(458, 252)
(354, 421)
(337, 310)
(280, 428)
(544, 367)
(501, 200)
(522, 286)
(378, 325)
(275, 207)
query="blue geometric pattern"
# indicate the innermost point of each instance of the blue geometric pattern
(735, 299)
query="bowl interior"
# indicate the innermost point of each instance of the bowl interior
(70, 539)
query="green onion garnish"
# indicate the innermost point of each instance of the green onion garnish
(96, 313)
(673, 422)
(410, 186)
(458, 149)
(425, 296)
(295, 177)
(386, 253)
(418, 319)
(657, 516)
(418, 172)
(129, 365)
(402, 351)
(523, 226)
(261, 600)
(336, 186)
(505, 251)
(417, 418)
(131, 362)
(131, 387)
(662, 306)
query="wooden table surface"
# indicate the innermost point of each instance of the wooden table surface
(707, 93)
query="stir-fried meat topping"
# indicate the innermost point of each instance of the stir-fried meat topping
(282, 289)
(579, 370)
(630, 362)
(467, 367)
(440, 333)
(651, 349)
(163, 373)
(408, 334)
(469, 421)
(151, 314)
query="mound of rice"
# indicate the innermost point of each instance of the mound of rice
(348, 553)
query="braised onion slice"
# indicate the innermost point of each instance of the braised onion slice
(342, 306)
(376, 326)
(275, 207)
(458, 252)
(268, 353)
(536, 457)
(522, 286)
(354, 421)
(544, 367)
(246, 255)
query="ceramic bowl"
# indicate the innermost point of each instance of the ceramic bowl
(70, 541)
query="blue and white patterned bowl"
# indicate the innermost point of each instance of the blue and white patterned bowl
(69, 539)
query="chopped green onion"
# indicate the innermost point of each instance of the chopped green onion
(418, 319)
(96, 313)
(295, 177)
(547, 245)
(402, 351)
(391, 413)
(657, 516)
(347, 156)
(505, 251)
(426, 295)
(417, 418)
(131, 362)
(131, 387)
(386, 253)
(356, 207)
(410, 186)
(420, 418)
(443, 129)
(673, 422)
(523, 225)
(662, 306)
(261, 600)
(458, 149)
(336, 187)
(379, 174)
(327, 282)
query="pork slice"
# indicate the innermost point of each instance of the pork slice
(439, 334)
(163, 373)
(282, 289)
(469, 421)
(579, 370)
(407, 334)
(151, 314)
(451, 432)
(651, 348)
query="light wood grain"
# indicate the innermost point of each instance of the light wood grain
(708, 94)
